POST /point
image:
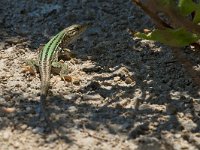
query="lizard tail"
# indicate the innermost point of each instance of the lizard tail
(44, 90)
(45, 69)
(43, 96)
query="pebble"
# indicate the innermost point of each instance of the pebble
(51, 137)
(196, 107)
(181, 115)
(28, 108)
(38, 130)
(91, 97)
(72, 109)
(76, 81)
(2, 45)
(71, 96)
(117, 78)
(24, 127)
(177, 135)
(16, 144)
(128, 80)
(6, 135)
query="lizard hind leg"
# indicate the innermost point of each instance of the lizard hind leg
(33, 65)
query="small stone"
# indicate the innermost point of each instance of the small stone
(144, 107)
(196, 107)
(16, 144)
(71, 96)
(28, 108)
(24, 127)
(6, 135)
(72, 109)
(38, 130)
(177, 136)
(76, 81)
(117, 78)
(51, 138)
(181, 115)
(128, 80)
(2, 45)
(68, 78)
(92, 97)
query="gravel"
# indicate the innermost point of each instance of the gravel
(123, 92)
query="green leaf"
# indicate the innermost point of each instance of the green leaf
(173, 37)
(197, 15)
(186, 7)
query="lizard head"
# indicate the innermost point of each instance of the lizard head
(75, 30)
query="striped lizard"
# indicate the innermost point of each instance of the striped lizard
(49, 55)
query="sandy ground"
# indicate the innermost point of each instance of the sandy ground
(122, 93)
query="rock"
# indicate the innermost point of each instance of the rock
(72, 109)
(128, 80)
(196, 107)
(177, 135)
(16, 144)
(51, 138)
(38, 130)
(2, 45)
(91, 97)
(76, 81)
(28, 108)
(72, 96)
(6, 135)
(117, 78)
(24, 127)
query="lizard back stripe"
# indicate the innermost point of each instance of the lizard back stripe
(44, 52)
(54, 46)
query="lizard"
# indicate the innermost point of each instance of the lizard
(49, 54)
(57, 68)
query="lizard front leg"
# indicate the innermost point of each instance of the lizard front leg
(60, 68)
